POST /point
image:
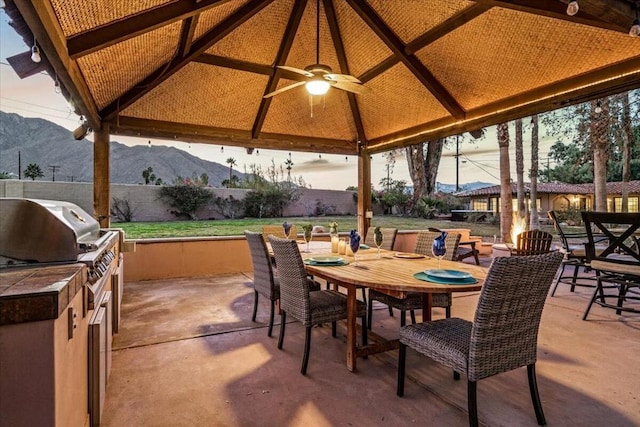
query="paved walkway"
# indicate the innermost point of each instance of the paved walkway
(188, 354)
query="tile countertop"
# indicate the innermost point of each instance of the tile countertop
(38, 293)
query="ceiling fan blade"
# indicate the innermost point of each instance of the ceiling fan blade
(283, 89)
(351, 87)
(296, 70)
(341, 78)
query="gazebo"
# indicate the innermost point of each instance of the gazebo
(397, 73)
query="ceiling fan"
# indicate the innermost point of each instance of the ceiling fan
(320, 77)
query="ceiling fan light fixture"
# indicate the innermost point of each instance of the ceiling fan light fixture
(572, 8)
(317, 86)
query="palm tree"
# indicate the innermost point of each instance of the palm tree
(289, 166)
(599, 144)
(33, 171)
(506, 205)
(522, 210)
(533, 191)
(231, 162)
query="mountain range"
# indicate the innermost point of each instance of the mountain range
(51, 146)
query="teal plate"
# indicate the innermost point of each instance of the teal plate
(325, 264)
(426, 278)
(448, 274)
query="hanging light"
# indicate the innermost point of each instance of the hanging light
(35, 52)
(222, 149)
(2, 4)
(56, 86)
(257, 152)
(317, 86)
(572, 8)
(598, 108)
(634, 31)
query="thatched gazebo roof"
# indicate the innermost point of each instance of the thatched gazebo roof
(197, 70)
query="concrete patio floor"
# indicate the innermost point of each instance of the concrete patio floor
(188, 354)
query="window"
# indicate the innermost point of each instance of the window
(479, 205)
(633, 204)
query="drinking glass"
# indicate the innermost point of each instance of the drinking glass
(307, 238)
(287, 229)
(378, 242)
(438, 249)
(355, 245)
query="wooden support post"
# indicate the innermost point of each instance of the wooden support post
(364, 190)
(101, 174)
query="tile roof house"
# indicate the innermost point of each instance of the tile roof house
(557, 196)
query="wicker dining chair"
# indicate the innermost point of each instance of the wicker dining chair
(532, 242)
(264, 281)
(311, 307)
(503, 335)
(413, 300)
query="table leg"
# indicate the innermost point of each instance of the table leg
(426, 306)
(351, 328)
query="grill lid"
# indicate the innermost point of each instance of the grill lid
(36, 230)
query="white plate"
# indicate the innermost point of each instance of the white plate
(448, 274)
(326, 259)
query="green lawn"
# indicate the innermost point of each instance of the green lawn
(235, 227)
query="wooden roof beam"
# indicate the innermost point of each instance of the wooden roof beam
(334, 28)
(251, 67)
(281, 57)
(133, 126)
(371, 18)
(609, 15)
(134, 25)
(186, 35)
(599, 83)
(200, 46)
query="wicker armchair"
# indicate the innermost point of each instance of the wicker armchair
(308, 306)
(413, 300)
(503, 335)
(618, 263)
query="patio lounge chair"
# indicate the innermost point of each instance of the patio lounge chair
(503, 335)
(413, 300)
(311, 307)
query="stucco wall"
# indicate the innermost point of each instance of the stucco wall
(146, 205)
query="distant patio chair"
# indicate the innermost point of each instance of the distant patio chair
(503, 335)
(532, 242)
(309, 306)
(278, 231)
(618, 264)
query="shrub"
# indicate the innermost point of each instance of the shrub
(229, 207)
(186, 196)
(121, 210)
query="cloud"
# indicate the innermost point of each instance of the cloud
(320, 165)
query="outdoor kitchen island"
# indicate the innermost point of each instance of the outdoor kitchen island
(43, 346)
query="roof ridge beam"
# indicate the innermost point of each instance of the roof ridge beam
(283, 52)
(165, 71)
(114, 32)
(334, 28)
(428, 80)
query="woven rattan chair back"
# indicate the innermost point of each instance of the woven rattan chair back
(294, 286)
(532, 242)
(278, 231)
(388, 238)
(505, 328)
(424, 243)
(263, 279)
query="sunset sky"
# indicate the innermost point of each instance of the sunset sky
(35, 97)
